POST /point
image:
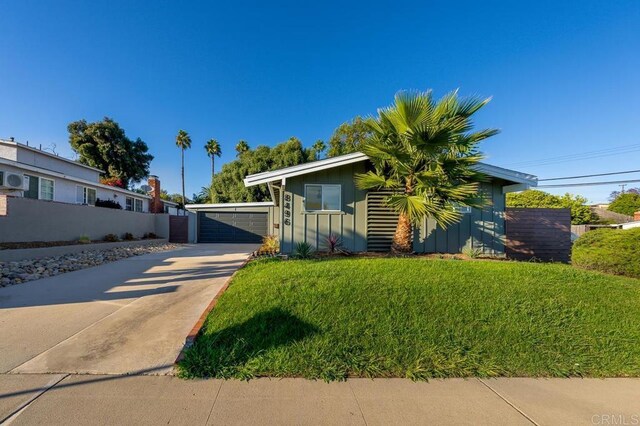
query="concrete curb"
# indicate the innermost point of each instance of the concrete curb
(15, 255)
(193, 334)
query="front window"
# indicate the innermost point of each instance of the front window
(90, 196)
(323, 198)
(129, 204)
(46, 189)
(138, 205)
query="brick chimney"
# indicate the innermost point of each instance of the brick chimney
(155, 205)
(636, 216)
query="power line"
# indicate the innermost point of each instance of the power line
(586, 176)
(612, 182)
(626, 149)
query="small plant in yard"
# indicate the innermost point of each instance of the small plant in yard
(84, 239)
(149, 236)
(111, 238)
(472, 253)
(333, 244)
(303, 250)
(128, 236)
(270, 245)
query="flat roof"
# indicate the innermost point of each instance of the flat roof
(328, 163)
(227, 205)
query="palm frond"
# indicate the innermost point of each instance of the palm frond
(371, 180)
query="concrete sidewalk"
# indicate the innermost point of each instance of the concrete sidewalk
(88, 399)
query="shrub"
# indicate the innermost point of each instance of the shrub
(113, 181)
(614, 251)
(303, 250)
(128, 236)
(111, 238)
(627, 203)
(533, 198)
(84, 239)
(270, 245)
(333, 243)
(109, 204)
(149, 236)
(472, 253)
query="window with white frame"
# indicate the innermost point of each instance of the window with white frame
(138, 205)
(128, 204)
(86, 195)
(322, 197)
(46, 189)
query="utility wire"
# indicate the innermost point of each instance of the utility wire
(626, 149)
(586, 176)
(612, 182)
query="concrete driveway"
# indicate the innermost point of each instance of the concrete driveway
(130, 316)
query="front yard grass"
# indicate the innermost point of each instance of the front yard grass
(419, 318)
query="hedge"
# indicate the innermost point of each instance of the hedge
(613, 251)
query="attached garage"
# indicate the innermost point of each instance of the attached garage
(233, 222)
(232, 227)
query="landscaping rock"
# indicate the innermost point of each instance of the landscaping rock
(29, 270)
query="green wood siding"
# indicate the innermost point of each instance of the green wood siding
(482, 228)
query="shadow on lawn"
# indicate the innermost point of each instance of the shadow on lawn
(226, 353)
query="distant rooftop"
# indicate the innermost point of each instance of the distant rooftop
(39, 150)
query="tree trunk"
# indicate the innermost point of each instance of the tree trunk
(402, 242)
(184, 213)
(213, 170)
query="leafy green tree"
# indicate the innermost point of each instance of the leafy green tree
(317, 149)
(424, 151)
(104, 145)
(242, 147)
(349, 137)
(532, 198)
(228, 185)
(213, 150)
(183, 141)
(627, 203)
(615, 194)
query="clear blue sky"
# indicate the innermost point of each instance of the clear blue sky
(564, 75)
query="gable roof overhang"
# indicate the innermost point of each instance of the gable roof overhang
(517, 180)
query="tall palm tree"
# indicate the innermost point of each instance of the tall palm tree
(183, 141)
(242, 147)
(213, 150)
(318, 148)
(424, 152)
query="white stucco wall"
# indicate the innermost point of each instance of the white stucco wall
(61, 165)
(65, 190)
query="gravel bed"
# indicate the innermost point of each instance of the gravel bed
(28, 270)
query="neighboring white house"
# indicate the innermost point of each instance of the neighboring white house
(29, 172)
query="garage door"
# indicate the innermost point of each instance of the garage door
(232, 227)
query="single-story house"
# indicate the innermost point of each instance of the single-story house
(30, 172)
(313, 200)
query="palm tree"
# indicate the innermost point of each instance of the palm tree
(242, 147)
(213, 150)
(183, 141)
(424, 152)
(318, 148)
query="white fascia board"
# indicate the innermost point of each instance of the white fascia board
(507, 174)
(51, 173)
(315, 166)
(228, 205)
(301, 169)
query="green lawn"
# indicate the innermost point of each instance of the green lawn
(419, 318)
